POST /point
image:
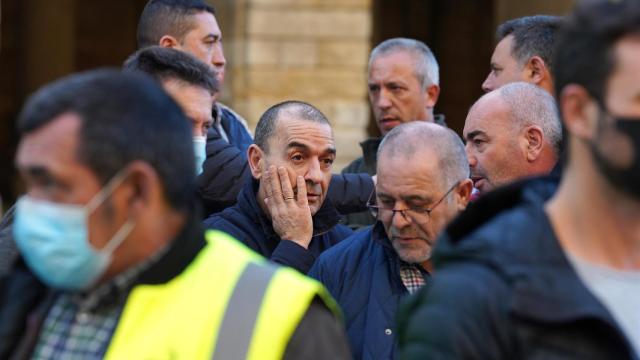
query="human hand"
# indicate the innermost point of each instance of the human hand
(290, 214)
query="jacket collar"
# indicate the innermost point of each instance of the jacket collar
(545, 286)
(324, 220)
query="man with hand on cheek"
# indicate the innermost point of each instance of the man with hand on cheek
(291, 225)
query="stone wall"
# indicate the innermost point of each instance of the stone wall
(310, 50)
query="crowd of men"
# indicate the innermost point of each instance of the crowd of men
(155, 225)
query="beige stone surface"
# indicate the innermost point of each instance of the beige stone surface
(310, 50)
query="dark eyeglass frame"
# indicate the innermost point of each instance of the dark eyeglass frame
(419, 211)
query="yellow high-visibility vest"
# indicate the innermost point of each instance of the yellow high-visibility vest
(229, 303)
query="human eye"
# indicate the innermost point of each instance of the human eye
(297, 158)
(326, 163)
(374, 88)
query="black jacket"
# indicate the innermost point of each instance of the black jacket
(247, 222)
(504, 289)
(23, 297)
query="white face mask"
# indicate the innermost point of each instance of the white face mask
(200, 151)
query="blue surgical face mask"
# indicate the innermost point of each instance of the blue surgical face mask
(53, 239)
(200, 150)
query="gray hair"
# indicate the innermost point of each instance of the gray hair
(427, 70)
(532, 105)
(410, 138)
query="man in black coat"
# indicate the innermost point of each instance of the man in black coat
(524, 275)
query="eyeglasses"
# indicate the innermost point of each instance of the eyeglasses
(418, 215)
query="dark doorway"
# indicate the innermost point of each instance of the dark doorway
(460, 34)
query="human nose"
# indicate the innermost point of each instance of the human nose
(400, 219)
(314, 172)
(488, 84)
(383, 101)
(471, 158)
(218, 60)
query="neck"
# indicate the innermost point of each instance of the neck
(149, 236)
(593, 221)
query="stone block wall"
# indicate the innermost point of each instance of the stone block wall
(310, 50)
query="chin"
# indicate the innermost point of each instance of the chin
(413, 255)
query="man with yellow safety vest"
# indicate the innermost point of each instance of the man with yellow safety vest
(114, 262)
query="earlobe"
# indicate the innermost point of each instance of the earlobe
(256, 159)
(536, 70)
(463, 194)
(432, 94)
(579, 111)
(534, 139)
(168, 41)
(143, 185)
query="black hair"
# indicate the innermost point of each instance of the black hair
(165, 64)
(584, 50)
(125, 117)
(168, 17)
(269, 120)
(532, 36)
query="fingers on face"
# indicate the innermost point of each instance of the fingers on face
(287, 190)
(302, 190)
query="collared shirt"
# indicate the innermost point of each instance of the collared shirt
(411, 276)
(80, 326)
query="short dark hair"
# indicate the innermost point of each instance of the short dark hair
(168, 17)
(584, 50)
(125, 117)
(532, 36)
(164, 64)
(269, 120)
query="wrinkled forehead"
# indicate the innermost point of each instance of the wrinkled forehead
(293, 130)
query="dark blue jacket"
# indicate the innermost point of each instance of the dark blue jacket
(363, 274)
(247, 222)
(504, 289)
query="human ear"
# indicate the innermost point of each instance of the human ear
(462, 194)
(579, 111)
(255, 156)
(431, 96)
(536, 70)
(168, 41)
(534, 140)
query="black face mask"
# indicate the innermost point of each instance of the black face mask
(626, 179)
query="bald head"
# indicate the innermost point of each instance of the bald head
(413, 139)
(512, 132)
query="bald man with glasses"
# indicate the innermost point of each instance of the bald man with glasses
(423, 183)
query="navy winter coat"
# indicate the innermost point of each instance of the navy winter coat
(247, 222)
(363, 274)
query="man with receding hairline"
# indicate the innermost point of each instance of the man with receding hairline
(404, 85)
(512, 133)
(423, 183)
(284, 213)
